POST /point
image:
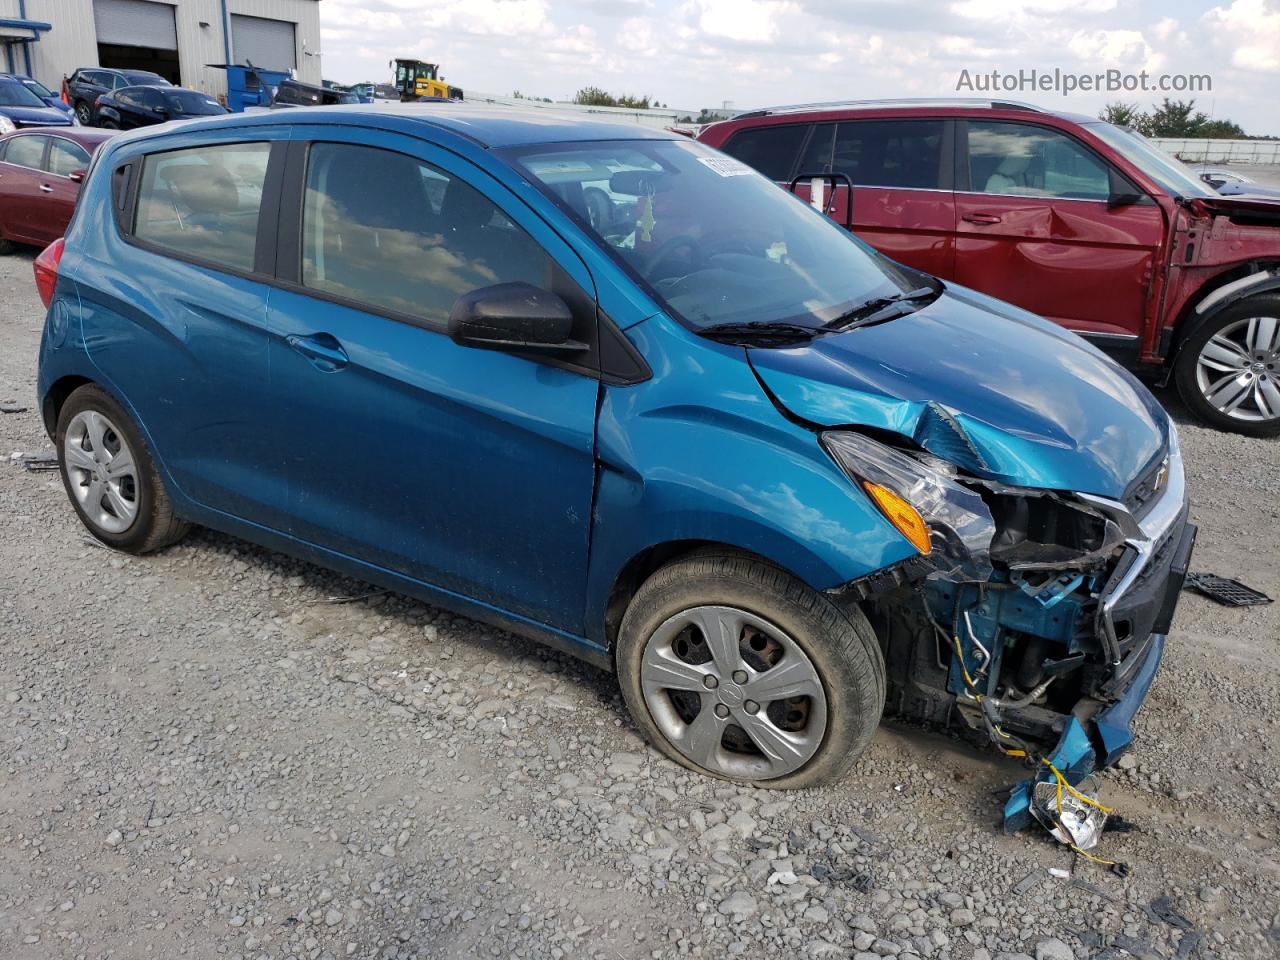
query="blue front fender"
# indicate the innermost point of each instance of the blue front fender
(699, 452)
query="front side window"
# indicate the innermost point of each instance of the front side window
(715, 242)
(1017, 159)
(204, 202)
(65, 157)
(390, 231)
(890, 153)
(26, 152)
(771, 150)
(1165, 170)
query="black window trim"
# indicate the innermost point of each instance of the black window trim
(280, 217)
(963, 179)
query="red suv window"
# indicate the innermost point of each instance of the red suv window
(771, 150)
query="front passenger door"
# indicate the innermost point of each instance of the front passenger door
(469, 470)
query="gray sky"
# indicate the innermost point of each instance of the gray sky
(699, 53)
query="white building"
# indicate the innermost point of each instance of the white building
(48, 39)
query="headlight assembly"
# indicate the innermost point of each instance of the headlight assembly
(947, 522)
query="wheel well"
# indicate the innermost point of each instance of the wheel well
(646, 563)
(1186, 319)
(56, 397)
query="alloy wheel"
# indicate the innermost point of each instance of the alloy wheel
(101, 471)
(1238, 370)
(733, 693)
(83, 114)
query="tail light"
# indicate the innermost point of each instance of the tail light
(46, 270)
(66, 93)
(98, 101)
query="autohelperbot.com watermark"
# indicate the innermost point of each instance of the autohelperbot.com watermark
(1064, 82)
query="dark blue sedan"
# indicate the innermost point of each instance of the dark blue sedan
(20, 107)
(611, 389)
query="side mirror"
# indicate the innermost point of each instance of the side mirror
(513, 316)
(77, 176)
(1122, 192)
(160, 111)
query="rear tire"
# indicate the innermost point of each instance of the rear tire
(110, 477)
(1228, 370)
(789, 670)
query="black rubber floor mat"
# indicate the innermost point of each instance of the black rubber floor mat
(1231, 593)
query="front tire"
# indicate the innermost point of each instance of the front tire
(84, 113)
(736, 669)
(110, 477)
(1228, 370)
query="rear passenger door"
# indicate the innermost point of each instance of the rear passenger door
(174, 317)
(901, 170)
(470, 470)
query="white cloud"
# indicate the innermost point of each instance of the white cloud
(748, 21)
(1250, 30)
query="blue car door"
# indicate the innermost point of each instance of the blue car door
(174, 316)
(470, 470)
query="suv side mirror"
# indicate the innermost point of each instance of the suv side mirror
(513, 316)
(1122, 192)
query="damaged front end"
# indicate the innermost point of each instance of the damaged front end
(1037, 617)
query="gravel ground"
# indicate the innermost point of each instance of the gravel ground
(202, 755)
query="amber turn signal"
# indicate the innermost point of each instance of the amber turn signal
(902, 515)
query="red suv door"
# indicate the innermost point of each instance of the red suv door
(1035, 227)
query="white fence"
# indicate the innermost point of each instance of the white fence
(1221, 151)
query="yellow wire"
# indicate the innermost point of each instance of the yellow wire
(1061, 780)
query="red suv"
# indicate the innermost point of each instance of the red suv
(1064, 215)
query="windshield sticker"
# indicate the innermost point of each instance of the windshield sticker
(726, 166)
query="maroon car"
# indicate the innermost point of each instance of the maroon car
(1066, 216)
(40, 173)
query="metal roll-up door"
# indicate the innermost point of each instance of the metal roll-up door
(136, 23)
(264, 43)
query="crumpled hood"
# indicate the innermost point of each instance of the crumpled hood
(980, 383)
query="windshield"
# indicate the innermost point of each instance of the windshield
(189, 103)
(16, 95)
(1170, 173)
(716, 242)
(38, 88)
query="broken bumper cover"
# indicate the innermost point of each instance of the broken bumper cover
(1098, 740)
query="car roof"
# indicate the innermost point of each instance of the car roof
(482, 124)
(954, 107)
(88, 137)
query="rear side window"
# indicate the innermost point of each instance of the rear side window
(204, 202)
(387, 230)
(26, 152)
(890, 153)
(65, 157)
(771, 150)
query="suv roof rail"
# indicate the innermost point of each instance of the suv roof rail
(900, 102)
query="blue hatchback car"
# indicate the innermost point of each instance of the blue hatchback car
(611, 389)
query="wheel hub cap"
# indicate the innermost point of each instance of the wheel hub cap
(733, 693)
(101, 472)
(1238, 370)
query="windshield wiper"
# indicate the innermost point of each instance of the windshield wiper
(761, 333)
(880, 309)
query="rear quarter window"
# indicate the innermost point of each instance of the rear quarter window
(204, 202)
(771, 150)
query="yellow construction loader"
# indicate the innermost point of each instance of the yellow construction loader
(417, 79)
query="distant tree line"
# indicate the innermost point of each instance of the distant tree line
(1173, 118)
(595, 97)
